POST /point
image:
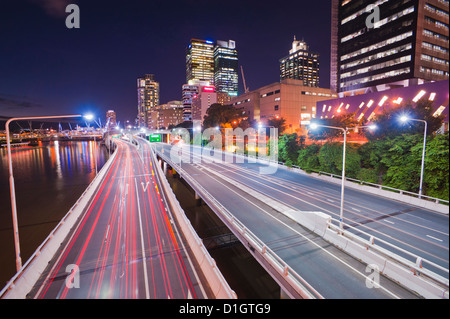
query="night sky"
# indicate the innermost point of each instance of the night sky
(48, 69)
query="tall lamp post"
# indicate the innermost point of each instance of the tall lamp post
(11, 179)
(405, 119)
(345, 131)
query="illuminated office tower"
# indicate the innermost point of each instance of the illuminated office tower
(300, 64)
(148, 98)
(200, 61)
(189, 92)
(226, 67)
(110, 119)
(379, 44)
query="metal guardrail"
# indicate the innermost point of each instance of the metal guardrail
(288, 273)
(416, 264)
(400, 191)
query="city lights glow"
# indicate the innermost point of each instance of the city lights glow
(419, 96)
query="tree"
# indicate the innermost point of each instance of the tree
(218, 115)
(436, 171)
(288, 147)
(345, 121)
(331, 158)
(403, 159)
(389, 125)
(308, 158)
(278, 123)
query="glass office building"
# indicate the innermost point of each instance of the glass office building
(148, 98)
(301, 64)
(200, 61)
(382, 44)
(226, 67)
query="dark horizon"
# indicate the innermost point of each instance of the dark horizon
(48, 69)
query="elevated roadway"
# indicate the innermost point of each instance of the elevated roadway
(333, 273)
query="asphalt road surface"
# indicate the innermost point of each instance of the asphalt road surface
(126, 244)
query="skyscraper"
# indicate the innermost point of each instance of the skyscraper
(300, 64)
(148, 98)
(381, 44)
(200, 61)
(111, 119)
(226, 67)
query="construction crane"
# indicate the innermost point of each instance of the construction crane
(243, 80)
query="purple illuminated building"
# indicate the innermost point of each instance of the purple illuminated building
(369, 104)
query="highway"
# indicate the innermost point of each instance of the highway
(336, 275)
(126, 243)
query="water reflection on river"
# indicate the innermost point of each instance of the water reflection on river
(49, 179)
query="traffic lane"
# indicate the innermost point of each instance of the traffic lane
(318, 262)
(374, 221)
(109, 272)
(186, 279)
(55, 276)
(310, 261)
(421, 231)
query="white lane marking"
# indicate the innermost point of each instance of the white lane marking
(146, 186)
(330, 200)
(388, 221)
(107, 232)
(355, 209)
(435, 238)
(308, 239)
(147, 291)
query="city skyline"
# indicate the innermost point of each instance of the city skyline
(94, 68)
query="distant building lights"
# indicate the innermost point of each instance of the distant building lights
(384, 99)
(398, 100)
(419, 96)
(439, 111)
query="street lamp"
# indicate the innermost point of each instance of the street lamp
(345, 131)
(11, 178)
(405, 119)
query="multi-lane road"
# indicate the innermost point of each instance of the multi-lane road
(420, 231)
(126, 243)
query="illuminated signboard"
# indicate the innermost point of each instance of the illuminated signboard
(155, 138)
(208, 89)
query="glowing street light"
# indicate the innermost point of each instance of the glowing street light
(405, 119)
(11, 179)
(345, 131)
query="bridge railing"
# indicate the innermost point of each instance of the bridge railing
(255, 244)
(396, 190)
(396, 259)
(433, 203)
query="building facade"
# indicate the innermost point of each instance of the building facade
(380, 44)
(166, 115)
(110, 119)
(202, 101)
(210, 64)
(200, 61)
(370, 104)
(148, 98)
(300, 64)
(226, 67)
(288, 99)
